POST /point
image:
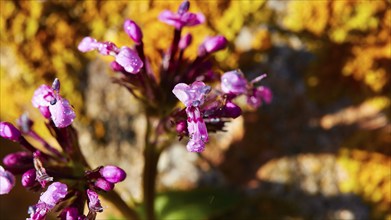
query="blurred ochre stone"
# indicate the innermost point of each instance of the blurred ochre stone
(368, 114)
(310, 172)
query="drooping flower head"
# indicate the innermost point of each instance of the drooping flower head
(61, 112)
(193, 96)
(182, 18)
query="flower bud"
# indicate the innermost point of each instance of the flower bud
(103, 184)
(133, 31)
(231, 110)
(184, 7)
(7, 181)
(8, 131)
(234, 82)
(181, 127)
(18, 162)
(258, 96)
(185, 41)
(214, 44)
(25, 123)
(113, 174)
(265, 93)
(56, 85)
(29, 178)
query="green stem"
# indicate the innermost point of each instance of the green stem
(119, 203)
(151, 156)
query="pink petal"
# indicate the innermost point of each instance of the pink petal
(129, 60)
(87, 44)
(42, 96)
(7, 181)
(62, 113)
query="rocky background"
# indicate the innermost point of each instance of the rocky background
(321, 150)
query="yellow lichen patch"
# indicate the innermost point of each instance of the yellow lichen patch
(369, 176)
(363, 24)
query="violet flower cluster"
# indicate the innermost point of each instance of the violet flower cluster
(63, 175)
(206, 108)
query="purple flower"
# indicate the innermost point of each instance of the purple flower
(212, 44)
(87, 44)
(53, 195)
(61, 112)
(234, 82)
(43, 96)
(125, 57)
(8, 131)
(197, 130)
(7, 181)
(129, 60)
(38, 211)
(113, 174)
(259, 95)
(133, 31)
(93, 201)
(193, 96)
(182, 18)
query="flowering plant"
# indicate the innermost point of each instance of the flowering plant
(206, 104)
